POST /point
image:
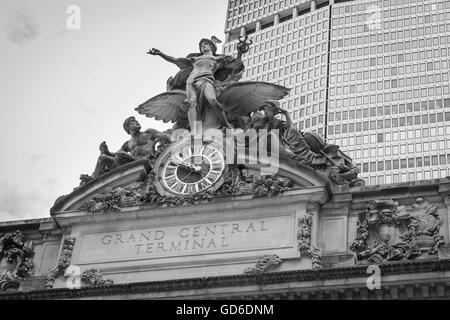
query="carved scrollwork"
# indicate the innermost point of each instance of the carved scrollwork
(264, 264)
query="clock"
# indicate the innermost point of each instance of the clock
(187, 168)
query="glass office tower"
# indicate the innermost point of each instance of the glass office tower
(371, 76)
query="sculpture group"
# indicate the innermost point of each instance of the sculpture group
(206, 94)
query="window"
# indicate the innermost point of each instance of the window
(365, 167)
(434, 160)
(395, 164)
(380, 137)
(419, 162)
(387, 165)
(403, 164)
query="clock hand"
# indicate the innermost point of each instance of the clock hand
(190, 165)
(203, 170)
(183, 164)
(189, 174)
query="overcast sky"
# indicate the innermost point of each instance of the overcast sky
(64, 91)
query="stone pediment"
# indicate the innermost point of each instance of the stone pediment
(132, 184)
(122, 176)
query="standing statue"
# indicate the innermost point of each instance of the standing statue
(206, 70)
(140, 146)
(213, 94)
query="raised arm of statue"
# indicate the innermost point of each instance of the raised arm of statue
(236, 63)
(242, 47)
(179, 62)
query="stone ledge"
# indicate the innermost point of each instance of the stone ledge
(427, 266)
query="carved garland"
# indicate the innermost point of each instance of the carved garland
(345, 174)
(17, 253)
(239, 182)
(264, 263)
(94, 277)
(63, 263)
(304, 241)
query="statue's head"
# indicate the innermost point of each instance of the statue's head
(209, 44)
(270, 107)
(206, 44)
(131, 124)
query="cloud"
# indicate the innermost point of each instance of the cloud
(50, 182)
(16, 204)
(87, 67)
(21, 27)
(19, 203)
(33, 159)
(84, 107)
(62, 32)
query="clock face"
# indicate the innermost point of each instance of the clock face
(192, 168)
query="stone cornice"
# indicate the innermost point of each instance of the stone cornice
(267, 279)
(426, 188)
(8, 226)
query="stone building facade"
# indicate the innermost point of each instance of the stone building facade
(311, 240)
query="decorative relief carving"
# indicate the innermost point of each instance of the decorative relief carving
(345, 174)
(264, 264)
(63, 262)
(388, 231)
(94, 277)
(16, 256)
(8, 280)
(239, 181)
(304, 241)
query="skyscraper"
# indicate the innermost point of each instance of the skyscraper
(371, 76)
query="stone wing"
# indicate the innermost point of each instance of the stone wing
(246, 97)
(167, 106)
